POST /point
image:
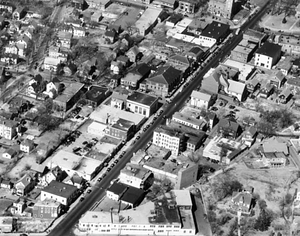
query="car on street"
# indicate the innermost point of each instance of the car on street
(214, 108)
(108, 169)
(99, 179)
(81, 199)
(89, 191)
(116, 161)
(154, 118)
(123, 153)
(161, 111)
(148, 126)
(138, 137)
(103, 175)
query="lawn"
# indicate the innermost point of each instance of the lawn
(275, 22)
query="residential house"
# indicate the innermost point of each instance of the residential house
(18, 207)
(285, 65)
(79, 4)
(19, 13)
(48, 209)
(165, 3)
(141, 103)
(24, 185)
(118, 100)
(64, 39)
(23, 43)
(249, 136)
(27, 145)
(285, 96)
(289, 44)
(277, 78)
(78, 32)
(7, 6)
(229, 128)
(51, 63)
(60, 192)
(267, 55)
(53, 88)
(253, 85)
(173, 20)
(135, 76)
(242, 201)
(110, 36)
(6, 184)
(188, 6)
(116, 67)
(55, 173)
(124, 60)
(136, 176)
(236, 89)
(116, 191)
(75, 180)
(96, 95)
(266, 89)
(201, 99)
(8, 128)
(164, 14)
(10, 59)
(293, 84)
(163, 81)
(9, 153)
(275, 152)
(214, 81)
(195, 54)
(179, 62)
(194, 141)
(134, 54)
(6, 224)
(36, 85)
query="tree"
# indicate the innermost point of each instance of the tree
(262, 204)
(263, 221)
(284, 20)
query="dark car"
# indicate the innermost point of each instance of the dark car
(81, 199)
(154, 118)
(214, 108)
(138, 137)
(89, 191)
(99, 179)
(108, 169)
(231, 107)
(148, 126)
(116, 161)
(161, 111)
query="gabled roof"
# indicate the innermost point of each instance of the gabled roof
(110, 33)
(196, 50)
(135, 50)
(117, 188)
(236, 87)
(25, 180)
(95, 94)
(165, 75)
(180, 58)
(11, 151)
(27, 142)
(60, 189)
(200, 95)
(225, 123)
(141, 69)
(269, 49)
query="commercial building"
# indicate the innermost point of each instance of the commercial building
(245, 70)
(136, 176)
(147, 21)
(194, 123)
(8, 128)
(223, 8)
(59, 192)
(201, 99)
(121, 129)
(71, 163)
(243, 52)
(267, 55)
(141, 103)
(214, 33)
(47, 209)
(253, 36)
(187, 6)
(170, 215)
(290, 44)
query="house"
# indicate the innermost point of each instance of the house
(229, 128)
(118, 100)
(141, 103)
(135, 76)
(188, 6)
(79, 4)
(8, 128)
(132, 197)
(64, 38)
(18, 207)
(19, 13)
(6, 6)
(266, 89)
(60, 192)
(6, 184)
(96, 95)
(134, 54)
(124, 60)
(116, 191)
(75, 180)
(110, 36)
(195, 54)
(201, 99)
(236, 89)
(173, 20)
(54, 87)
(78, 32)
(48, 209)
(285, 96)
(252, 85)
(276, 78)
(242, 201)
(194, 141)
(55, 173)
(116, 67)
(10, 59)
(179, 61)
(51, 63)
(293, 84)
(165, 4)
(275, 152)
(267, 55)
(9, 153)
(163, 81)
(23, 42)
(27, 145)
(249, 136)
(213, 81)
(36, 85)
(24, 185)
(285, 65)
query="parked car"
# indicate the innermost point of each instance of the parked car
(89, 191)
(161, 111)
(116, 161)
(108, 169)
(99, 179)
(81, 199)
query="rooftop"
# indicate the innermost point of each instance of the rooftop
(60, 189)
(244, 69)
(123, 124)
(254, 34)
(215, 30)
(135, 170)
(142, 98)
(69, 92)
(117, 188)
(148, 18)
(269, 49)
(187, 119)
(275, 145)
(133, 195)
(102, 112)
(201, 95)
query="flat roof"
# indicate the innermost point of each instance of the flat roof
(52, 61)
(135, 170)
(60, 189)
(70, 161)
(183, 197)
(117, 188)
(148, 18)
(70, 90)
(142, 98)
(132, 195)
(191, 120)
(254, 34)
(185, 22)
(215, 30)
(244, 68)
(102, 112)
(123, 124)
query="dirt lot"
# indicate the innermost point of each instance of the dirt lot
(274, 22)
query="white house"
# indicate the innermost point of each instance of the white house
(236, 89)
(200, 99)
(267, 55)
(78, 32)
(27, 145)
(9, 153)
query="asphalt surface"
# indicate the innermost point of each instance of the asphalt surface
(65, 227)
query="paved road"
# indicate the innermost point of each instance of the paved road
(64, 228)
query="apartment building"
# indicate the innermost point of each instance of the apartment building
(267, 55)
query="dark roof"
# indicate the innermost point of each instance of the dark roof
(215, 30)
(175, 18)
(117, 188)
(163, 15)
(142, 98)
(133, 195)
(269, 49)
(123, 58)
(141, 69)
(196, 50)
(110, 33)
(95, 94)
(60, 189)
(225, 123)
(165, 75)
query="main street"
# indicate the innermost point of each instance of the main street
(65, 227)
